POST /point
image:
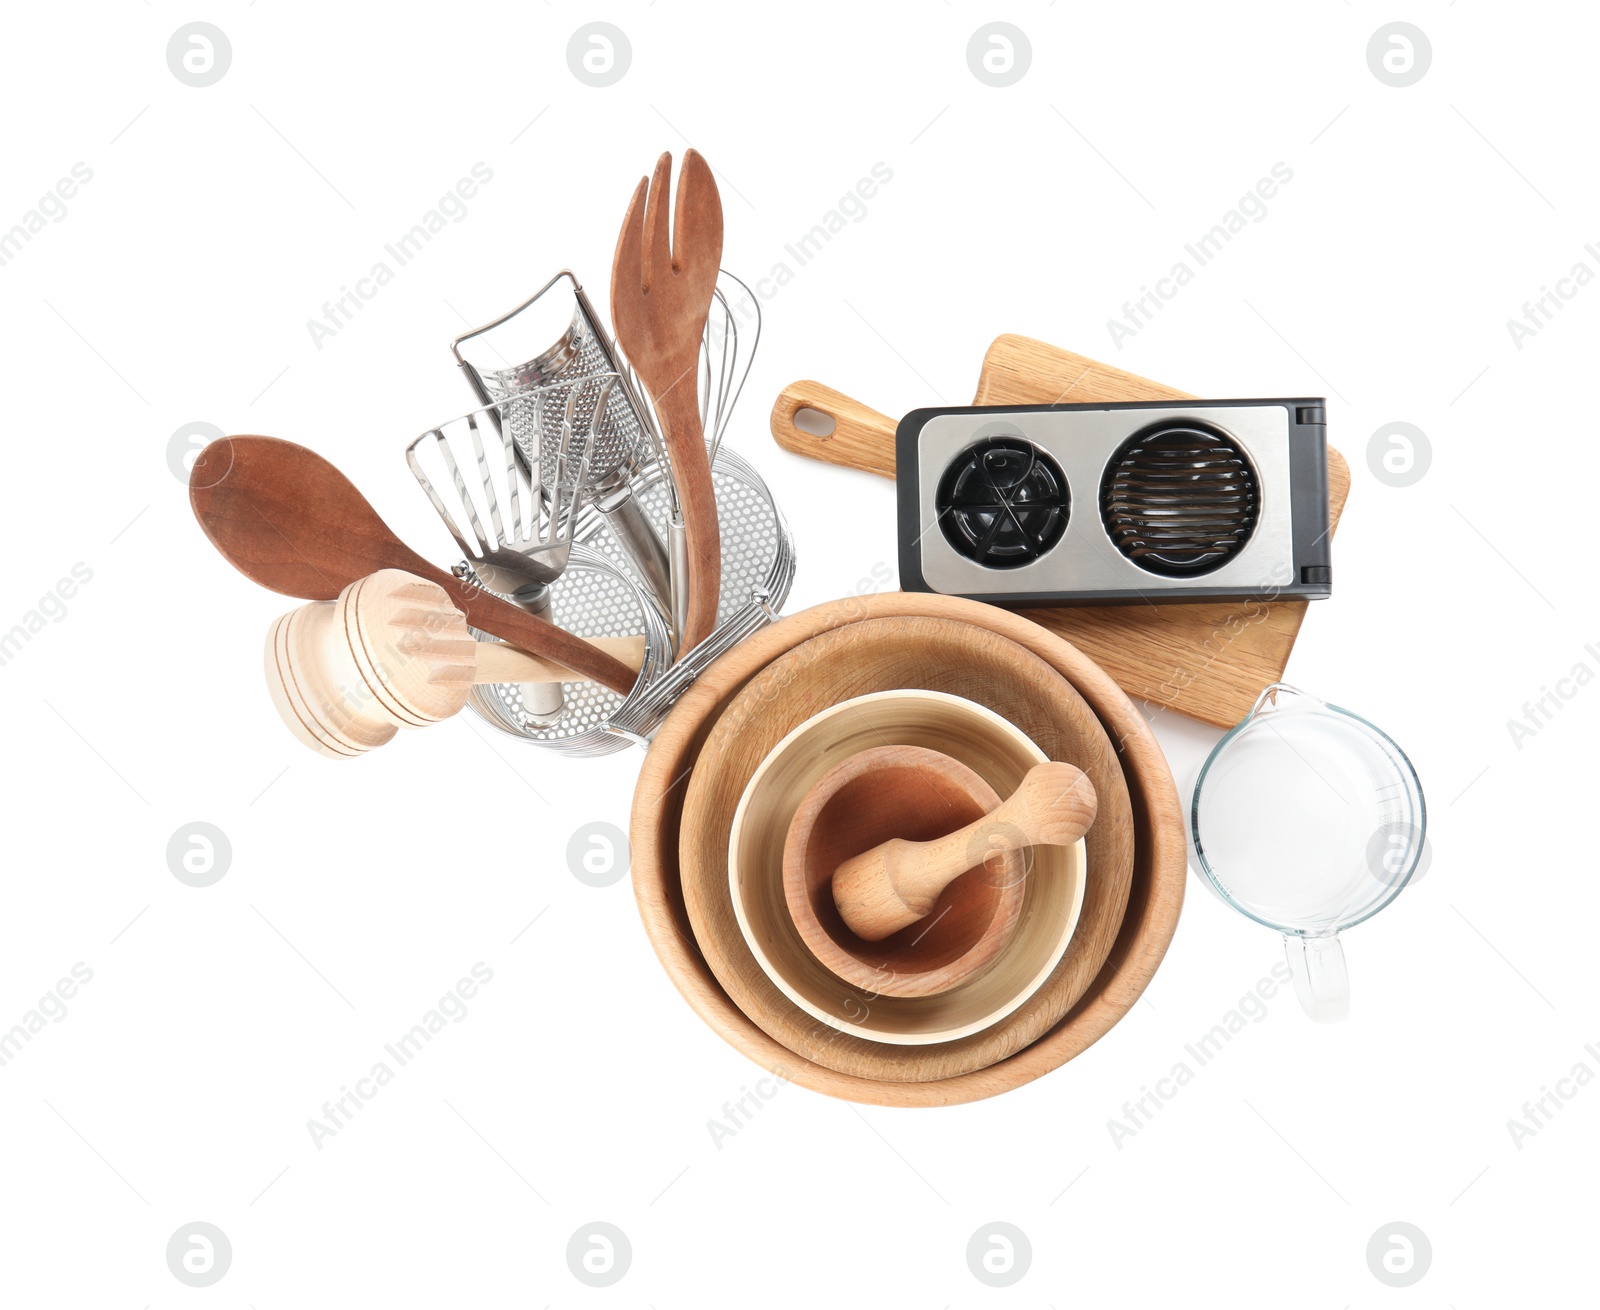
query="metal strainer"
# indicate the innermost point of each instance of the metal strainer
(595, 597)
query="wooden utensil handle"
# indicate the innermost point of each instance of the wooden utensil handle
(499, 663)
(679, 411)
(861, 438)
(502, 619)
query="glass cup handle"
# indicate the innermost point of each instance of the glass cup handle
(1320, 979)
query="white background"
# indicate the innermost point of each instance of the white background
(177, 289)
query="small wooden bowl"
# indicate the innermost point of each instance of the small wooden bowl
(917, 795)
(999, 752)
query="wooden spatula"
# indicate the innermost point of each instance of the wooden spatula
(289, 520)
(1209, 661)
(661, 290)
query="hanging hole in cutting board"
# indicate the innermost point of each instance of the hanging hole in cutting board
(813, 422)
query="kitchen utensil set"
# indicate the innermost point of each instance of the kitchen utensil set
(573, 495)
(908, 849)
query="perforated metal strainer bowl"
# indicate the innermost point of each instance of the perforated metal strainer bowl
(599, 596)
(593, 598)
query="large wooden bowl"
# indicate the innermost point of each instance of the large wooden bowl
(1154, 902)
(998, 753)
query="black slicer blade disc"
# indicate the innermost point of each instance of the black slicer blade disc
(1003, 503)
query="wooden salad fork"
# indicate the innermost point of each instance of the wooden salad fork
(661, 290)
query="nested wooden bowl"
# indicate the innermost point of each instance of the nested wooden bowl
(882, 655)
(1155, 895)
(917, 795)
(1001, 755)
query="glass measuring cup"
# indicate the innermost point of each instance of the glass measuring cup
(1308, 819)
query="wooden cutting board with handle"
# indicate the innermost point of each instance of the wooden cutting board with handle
(1208, 661)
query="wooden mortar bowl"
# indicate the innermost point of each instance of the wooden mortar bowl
(917, 795)
(1155, 897)
(999, 753)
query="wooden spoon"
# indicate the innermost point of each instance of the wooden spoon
(660, 297)
(286, 518)
(883, 890)
(391, 652)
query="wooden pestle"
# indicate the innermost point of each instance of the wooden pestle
(883, 890)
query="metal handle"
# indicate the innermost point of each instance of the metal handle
(637, 537)
(543, 702)
(678, 541)
(455, 346)
(640, 720)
